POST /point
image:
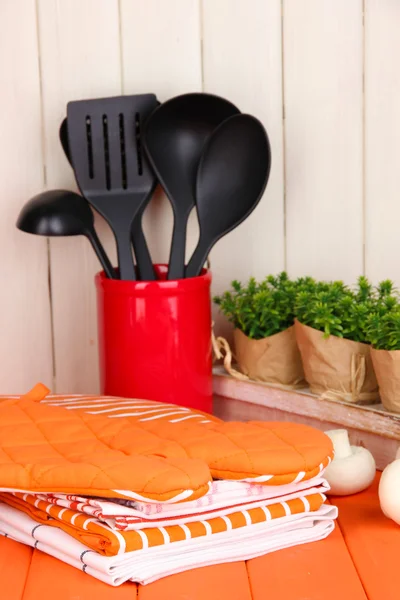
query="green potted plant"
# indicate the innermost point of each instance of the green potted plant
(331, 332)
(264, 339)
(383, 333)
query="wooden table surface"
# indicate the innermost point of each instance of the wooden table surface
(360, 560)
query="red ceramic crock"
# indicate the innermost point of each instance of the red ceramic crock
(155, 339)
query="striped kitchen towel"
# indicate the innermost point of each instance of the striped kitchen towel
(149, 564)
(224, 498)
(110, 542)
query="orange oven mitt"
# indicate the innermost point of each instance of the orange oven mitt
(139, 449)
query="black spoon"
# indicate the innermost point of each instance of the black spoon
(232, 174)
(174, 136)
(104, 140)
(63, 213)
(144, 262)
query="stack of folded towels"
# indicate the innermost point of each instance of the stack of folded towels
(136, 490)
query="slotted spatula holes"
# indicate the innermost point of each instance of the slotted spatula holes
(106, 152)
(115, 188)
(138, 144)
(124, 177)
(89, 146)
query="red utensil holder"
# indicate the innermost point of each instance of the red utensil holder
(155, 339)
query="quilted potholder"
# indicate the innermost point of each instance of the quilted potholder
(139, 449)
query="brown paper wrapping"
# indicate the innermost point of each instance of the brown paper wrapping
(337, 368)
(274, 359)
(387, 368)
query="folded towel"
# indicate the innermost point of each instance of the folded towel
(224, 498)
(147, 565)
(105, 540)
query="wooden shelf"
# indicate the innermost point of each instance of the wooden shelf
(369, 426)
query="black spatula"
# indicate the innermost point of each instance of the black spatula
(232, 174)
(144, 263)
(174, 137)
(104, 142)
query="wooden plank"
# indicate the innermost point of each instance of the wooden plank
(25, 324)
(324, 131)
(214, 582)
(15, 561)
(382, 448)
(161, 53)
(307, 571)
(365, 418)
(50, 578)
(80, 58)
(373, 542)
(382, 127)
(243, 63)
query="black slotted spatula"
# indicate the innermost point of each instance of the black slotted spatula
(144, 263)
(109, 165)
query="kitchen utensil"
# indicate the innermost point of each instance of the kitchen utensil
(63, 213)
(174, 137)
(144, 263)
(104, 140)
(63, 135)
(231, 177)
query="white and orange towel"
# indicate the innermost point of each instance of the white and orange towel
(110, 541)
(224, 498)
(152, 563)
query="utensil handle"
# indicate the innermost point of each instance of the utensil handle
(125, 258)
(176, 267)
(102, 255)
(197, 259)
(144, 262)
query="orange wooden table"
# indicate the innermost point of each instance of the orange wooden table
(359, 561)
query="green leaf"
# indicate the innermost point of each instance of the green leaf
(362, 313)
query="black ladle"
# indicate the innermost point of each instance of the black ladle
(231, 178)
(144, 263)
(174, 136)
(63, 213)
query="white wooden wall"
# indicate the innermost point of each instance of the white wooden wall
(322, 75)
